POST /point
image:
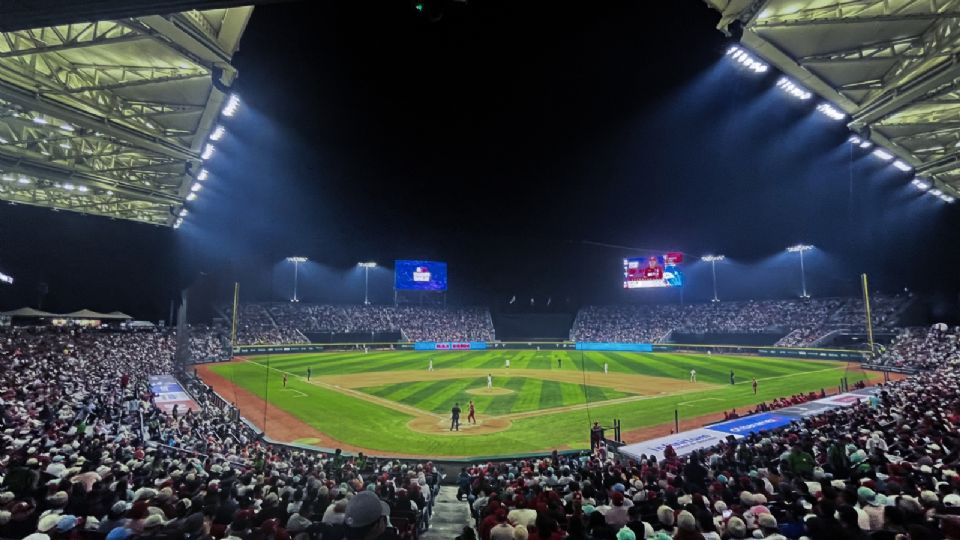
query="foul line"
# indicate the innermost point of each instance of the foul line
(699, 400)
(301, 394)
(357, 394)
(527, 414)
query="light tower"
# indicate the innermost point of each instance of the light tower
(296, 274)
(713, 260)
(800, 248)
(366, 280)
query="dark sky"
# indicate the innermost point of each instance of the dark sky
(501, 138)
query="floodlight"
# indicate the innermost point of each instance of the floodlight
(233, 103)
(831, 112)
(297, 259)
(746, 59)
(183, 212)
(65, 145)
(6, 278)
(69, 187)
(208, 151)
(370, 264)
(712, 258)
(83, 189)
(218, 133)
(23, 180)
(7, 177)
(902, 166)
(39, 120)
(935, 192)
(921, 184)
(178, 223)
(3, 141)
(883, 154)
(866, 144)
(202, 175)
(66, 127)
(799, 248)
(191, 196)
(947, 199)
(196, 187)
(855, 140)
(793, 89)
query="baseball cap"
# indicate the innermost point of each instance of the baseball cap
(119, 533)
(364, 509)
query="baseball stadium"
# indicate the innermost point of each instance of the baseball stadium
(479, 270)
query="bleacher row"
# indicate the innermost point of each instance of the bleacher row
(85, 453)
(885, 469)
(802, 321)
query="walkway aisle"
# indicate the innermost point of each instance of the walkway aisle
(449, 516)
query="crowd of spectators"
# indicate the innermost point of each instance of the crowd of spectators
(884, 469)
(882, 311)
(256, 326)
(86, 455)
(209, 343)
(923, 348)
(651, 323)
(259, 323)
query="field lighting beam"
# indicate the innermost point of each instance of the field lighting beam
(713, 260)
(296, 274)
(800, 248)
(366, 280)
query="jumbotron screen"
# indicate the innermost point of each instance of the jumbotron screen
(420, 275)
(655, 271)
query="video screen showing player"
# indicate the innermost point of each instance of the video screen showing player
(655, 271)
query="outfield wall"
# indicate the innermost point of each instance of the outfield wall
(792, 352)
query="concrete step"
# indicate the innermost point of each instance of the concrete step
(449, 516)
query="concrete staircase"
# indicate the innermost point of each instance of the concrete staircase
(449, 516)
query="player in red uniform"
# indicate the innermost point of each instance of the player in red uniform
(472, 417)
(653, 269)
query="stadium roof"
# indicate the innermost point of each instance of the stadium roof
(891, 65)
(111, 117)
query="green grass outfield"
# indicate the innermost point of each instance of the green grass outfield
(384, 429)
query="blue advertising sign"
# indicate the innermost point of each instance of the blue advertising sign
(635, 347)
(753, 423)
(449, 345)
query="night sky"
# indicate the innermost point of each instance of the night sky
(531, 146)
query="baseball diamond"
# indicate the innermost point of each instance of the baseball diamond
(388, 401)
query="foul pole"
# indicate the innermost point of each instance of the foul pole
(866, 306)
(233, 329)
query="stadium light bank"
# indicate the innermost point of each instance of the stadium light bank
(296, 274)
(713, 260)
(366, 279)
(800, 248)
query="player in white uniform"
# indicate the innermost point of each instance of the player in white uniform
(507, 363)
(693, 375)
(430, 367)
(489, 381)
(606, 367)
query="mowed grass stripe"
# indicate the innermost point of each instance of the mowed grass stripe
(384, 430)
(528, 397)
(443, 395)
(551, 395)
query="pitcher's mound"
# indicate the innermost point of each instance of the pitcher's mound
(495, 391)
(441, 426)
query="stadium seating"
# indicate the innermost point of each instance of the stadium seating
(803, 321)
(875, 470)
(923, 348)
(85, 454)
(287, 322)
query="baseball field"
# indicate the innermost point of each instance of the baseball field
(391, 403)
